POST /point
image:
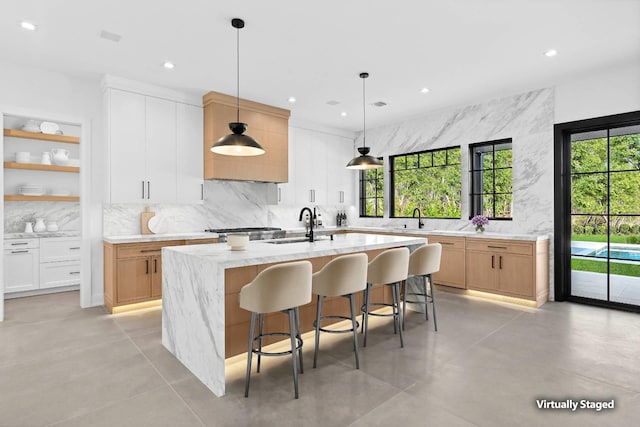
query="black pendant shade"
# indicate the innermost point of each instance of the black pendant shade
(364, 161)
(236, 143)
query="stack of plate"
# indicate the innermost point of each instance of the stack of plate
(31, 190)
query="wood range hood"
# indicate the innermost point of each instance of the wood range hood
(266, 124)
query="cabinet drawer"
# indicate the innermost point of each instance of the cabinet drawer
(21, 243)
(145, 249)
(55, 274)
(500, 246)
(54, 249)
(447, 242)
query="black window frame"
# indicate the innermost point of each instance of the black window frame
(362, 188)
(392, 169)
(475, 186)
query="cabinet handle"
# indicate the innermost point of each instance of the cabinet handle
(497, 247)
(279, 194)
(148, 189)
(75, 248)
(341, 196)
(74, 272)
(311, 195)
(314, 196)
(493, 259)
(500, 262)
(445, 243)
(147, 262)
(201, 191)
(19, 243)
(149, 250)
(20, 252)
(155, 265)
(143, 189)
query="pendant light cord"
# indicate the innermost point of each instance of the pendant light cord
(238, 74)
(364, 115)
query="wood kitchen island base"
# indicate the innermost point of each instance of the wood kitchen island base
(201, 316)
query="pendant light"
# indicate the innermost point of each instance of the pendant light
(364, 160)
(236, 143)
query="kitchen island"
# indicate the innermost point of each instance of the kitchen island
(195, 282)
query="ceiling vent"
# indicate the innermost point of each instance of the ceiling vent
(333, 102)
(379, 104)
(110, 36)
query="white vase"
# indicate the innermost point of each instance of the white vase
(39, 227)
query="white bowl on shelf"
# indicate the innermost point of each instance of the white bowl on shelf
(73, 162)
(23, 157)
(60, 192)
(238, 242)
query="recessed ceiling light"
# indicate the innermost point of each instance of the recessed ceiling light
(168, 65)
(424, 90)
(343, 114)
(292, 99)
(550, 53)
(28, 26)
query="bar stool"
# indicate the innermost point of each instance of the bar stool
(422, 263)
(388, 268)
(282, 287)
(342, 276)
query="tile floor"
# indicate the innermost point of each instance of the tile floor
(486, 366)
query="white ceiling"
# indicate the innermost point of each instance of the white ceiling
(462, 50)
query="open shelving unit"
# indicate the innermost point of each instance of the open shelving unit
(19, 198)
(41, 167)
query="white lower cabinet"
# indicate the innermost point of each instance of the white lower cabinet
(32, 264)
(21, 265)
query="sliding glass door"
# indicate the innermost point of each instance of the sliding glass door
(599, 213)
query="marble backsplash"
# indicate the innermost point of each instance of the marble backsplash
(65, 214)
(227, 204)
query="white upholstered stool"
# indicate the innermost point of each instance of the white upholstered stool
(388, 268)
(282, 287)
(422, 263)
(342, 276)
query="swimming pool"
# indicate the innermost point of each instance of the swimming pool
(631, 253)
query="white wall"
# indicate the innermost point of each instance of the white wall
(614, 90)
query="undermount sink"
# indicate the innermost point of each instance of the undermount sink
(295, 240)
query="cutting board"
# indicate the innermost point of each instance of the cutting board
(144, 221)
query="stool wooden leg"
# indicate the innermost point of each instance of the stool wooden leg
(365, 315)
(318, 316)
(292, 331)
(249, 355)
(352, 303)
(433, 302)
(260, 332)
(296, 313)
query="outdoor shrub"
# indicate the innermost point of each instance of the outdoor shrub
(601, 229)
(635, 229)
(577, 229)
(625, 229)
(633, 239)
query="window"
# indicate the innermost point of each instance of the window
(491, 179)
(428, 180)
(372, 192)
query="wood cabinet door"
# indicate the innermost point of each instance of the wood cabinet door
(156, 276)
(133, 281)
(126, 130)
(452, 268)
(515, 274)
(481, 270)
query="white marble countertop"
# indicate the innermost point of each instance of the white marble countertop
(452, 233)
(142, 238)
(263, 252)
(10, 236)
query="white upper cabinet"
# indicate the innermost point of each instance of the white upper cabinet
(127, 146)
(340, 180)
(189, 154)
(155, 149)
(310, 167)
